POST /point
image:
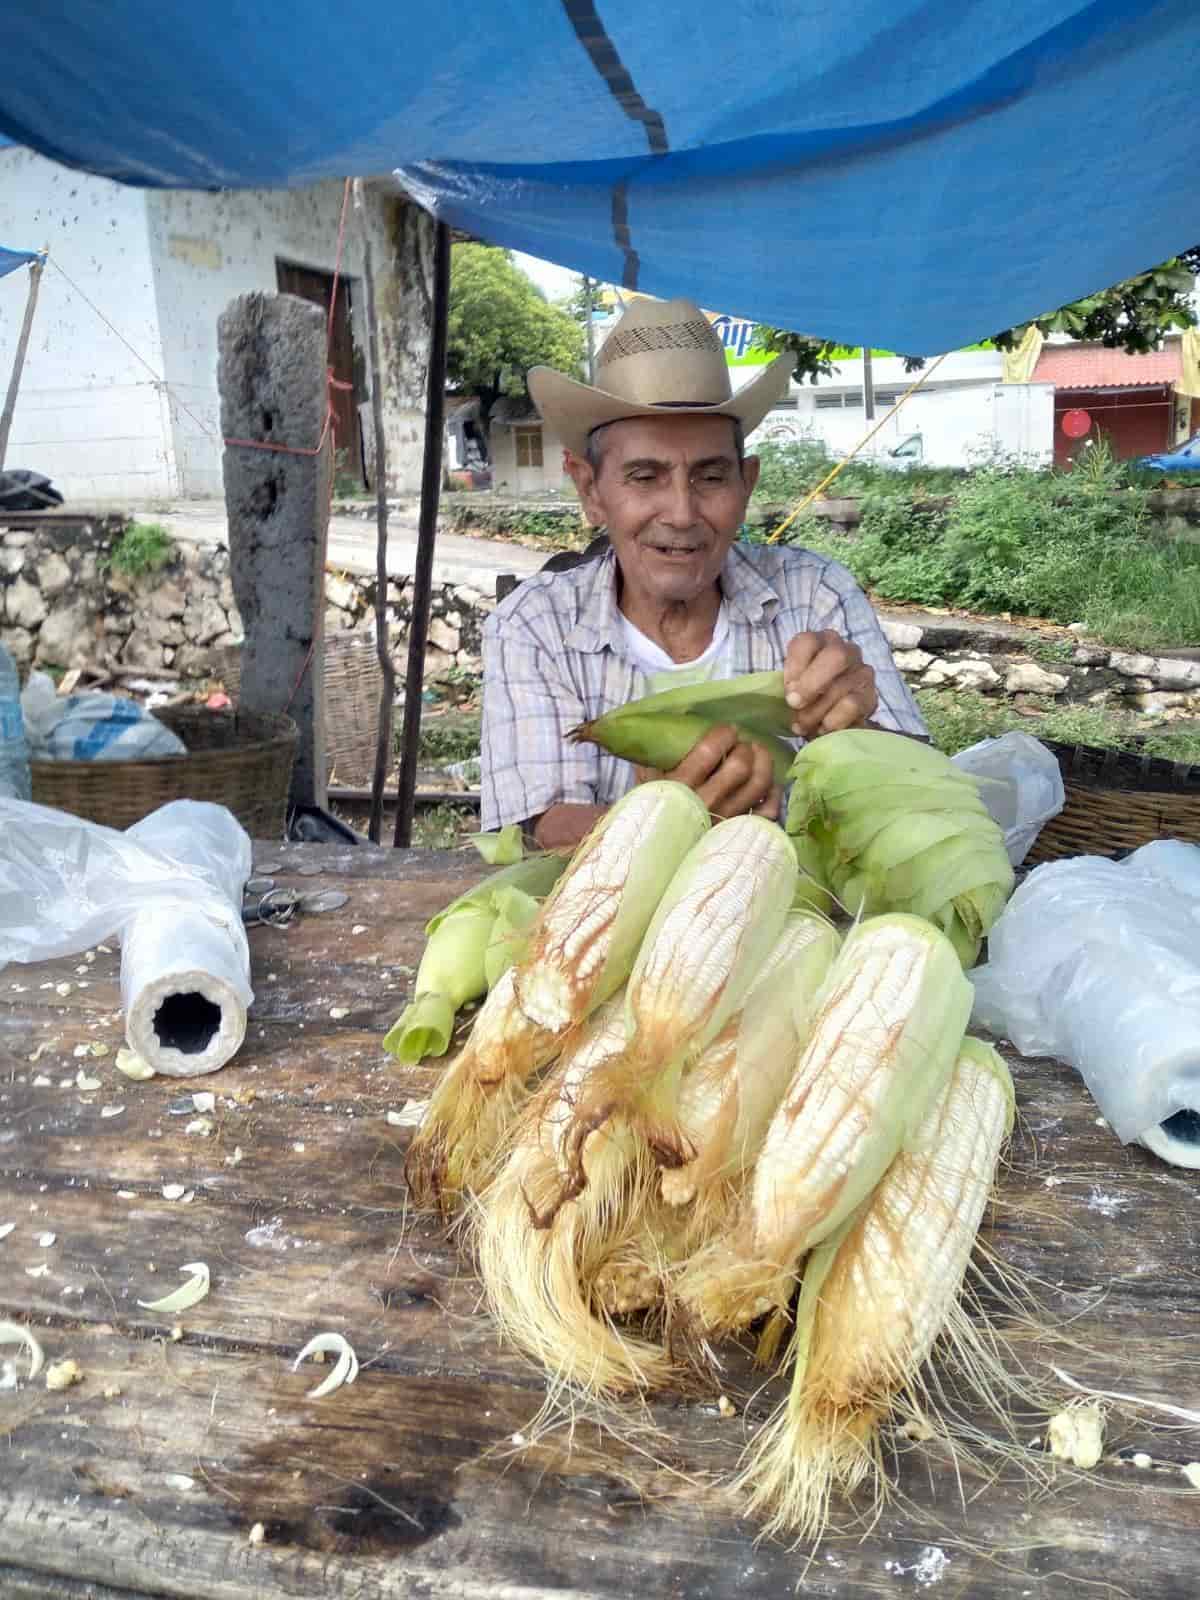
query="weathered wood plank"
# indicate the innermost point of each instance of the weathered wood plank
(306, 1239)
(414, 1486)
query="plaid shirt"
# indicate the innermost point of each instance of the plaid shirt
(553, 656)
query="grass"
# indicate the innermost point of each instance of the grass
(962, 717)
(144, 547)
(452, 736)
(443, 827)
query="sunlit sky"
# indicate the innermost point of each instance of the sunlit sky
(554, 282)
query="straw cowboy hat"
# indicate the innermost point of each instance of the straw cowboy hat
(661, 355)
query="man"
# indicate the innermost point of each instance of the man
(656, 454)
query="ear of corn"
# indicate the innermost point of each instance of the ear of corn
(896, 826)
(476, 1098)
(876, 1296)
(710, 938)
(584, 942)
(540, 1281)
(727, 1099)
(457, 964)
(659, 730)
(886, 1033)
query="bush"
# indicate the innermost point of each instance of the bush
(1074, 546)
(143, 547)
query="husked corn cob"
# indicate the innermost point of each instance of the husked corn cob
(579, 951)
(876, 1297)
(728, 1097)
(476, 1097)
(539, 1279)
(713, 931)
(587, 934)
(885, 1037)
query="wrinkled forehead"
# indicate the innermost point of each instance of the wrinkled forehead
(677, 441)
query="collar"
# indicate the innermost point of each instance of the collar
(749, 599)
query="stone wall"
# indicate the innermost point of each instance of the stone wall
(1029, 668)
(63, 604)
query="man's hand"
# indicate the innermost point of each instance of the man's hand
(827, 684)
(730, 775)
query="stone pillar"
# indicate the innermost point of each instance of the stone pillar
(272, 381)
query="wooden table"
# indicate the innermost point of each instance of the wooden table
(147, 1478)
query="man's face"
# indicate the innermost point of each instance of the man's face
(672, 494)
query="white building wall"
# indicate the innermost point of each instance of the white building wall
(207, 248)
(963, 414)
(507, 480)
(89, 414)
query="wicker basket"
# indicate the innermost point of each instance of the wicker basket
(1117, 801)
(240, 761)
(353, 681)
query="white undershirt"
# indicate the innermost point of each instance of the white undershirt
(663, 672)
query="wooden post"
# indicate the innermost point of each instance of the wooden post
(271, 374)
(387, 692)
(431, 487)
(36, 269)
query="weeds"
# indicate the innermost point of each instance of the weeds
(143, 547)
(961, 717)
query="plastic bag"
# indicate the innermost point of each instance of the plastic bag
(170, 888)
(91, 727)
(1097, 962)
(1021, 786)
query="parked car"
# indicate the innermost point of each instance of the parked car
(1183, 458)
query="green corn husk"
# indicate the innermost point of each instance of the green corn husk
(501, 848)
(469, 945)
(659, 730)
(893, 825)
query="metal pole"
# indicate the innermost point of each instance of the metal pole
(431, 486)
(591, 332)
(387, 688)
(868, 384)
(14, 383)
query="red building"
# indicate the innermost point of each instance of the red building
(1130, 400)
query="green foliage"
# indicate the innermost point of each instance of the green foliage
(143, 547)
(791, 468)
(500, 325)
(1066, 547)
(544, 528)
(957, 718)
(443, 827)
(1133, 315)
(454, 736)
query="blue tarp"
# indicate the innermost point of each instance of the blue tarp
(914, 173)
(10, 260)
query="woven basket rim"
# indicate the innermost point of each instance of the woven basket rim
(267, 728)
(1102, 769)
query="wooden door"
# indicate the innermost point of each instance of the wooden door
(309, 284)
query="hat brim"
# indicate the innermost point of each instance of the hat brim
(574, 409)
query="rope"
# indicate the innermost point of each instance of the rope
(140, 359)
(846, 460)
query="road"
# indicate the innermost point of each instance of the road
(352, 544)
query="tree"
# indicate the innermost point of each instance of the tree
(500, 325)
(1132, 315)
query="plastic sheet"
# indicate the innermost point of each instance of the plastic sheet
(1021, 786)
(1097, 962)
(169, 888)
